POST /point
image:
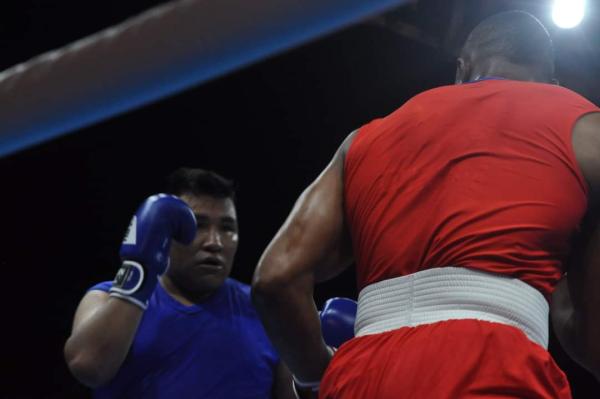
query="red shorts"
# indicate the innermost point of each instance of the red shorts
(456, 359)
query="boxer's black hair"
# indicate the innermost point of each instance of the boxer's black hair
(517, 36)
(199, 182)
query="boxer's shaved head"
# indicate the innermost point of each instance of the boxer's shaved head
(515, 38)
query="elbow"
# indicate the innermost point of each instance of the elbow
(85, 366)
(265, 285)
(280, 276)
(271, 279)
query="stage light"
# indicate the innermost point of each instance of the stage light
(568, 14)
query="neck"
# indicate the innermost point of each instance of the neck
(507, 70)
(182, 296)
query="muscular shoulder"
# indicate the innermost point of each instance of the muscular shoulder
(438, 92)
(558, 96)
(513, 87)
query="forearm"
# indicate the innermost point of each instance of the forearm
(99, 344)
(563, 321)
(577, 331)
(312, 243)
(289, 314)
(575, 306)
(282, 383)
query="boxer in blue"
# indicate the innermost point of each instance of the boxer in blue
(180, 328)
(173, 324)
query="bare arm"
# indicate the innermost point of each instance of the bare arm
(103, 330)
(576, 300)
(282, 384)
(312, 245)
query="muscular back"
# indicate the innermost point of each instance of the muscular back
(480, 175)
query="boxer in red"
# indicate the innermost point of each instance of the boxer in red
(459, 210)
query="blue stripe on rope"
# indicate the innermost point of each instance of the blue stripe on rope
(34, 108)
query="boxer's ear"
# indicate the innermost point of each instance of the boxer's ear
(462, 71)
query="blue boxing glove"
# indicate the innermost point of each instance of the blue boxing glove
(337, 326)
(337, 321)
(145, 249)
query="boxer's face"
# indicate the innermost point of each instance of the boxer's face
(203, 266)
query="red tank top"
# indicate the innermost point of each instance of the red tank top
(480, 175)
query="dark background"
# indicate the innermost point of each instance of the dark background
(271, 127)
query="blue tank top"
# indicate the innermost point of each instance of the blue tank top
(216, 349)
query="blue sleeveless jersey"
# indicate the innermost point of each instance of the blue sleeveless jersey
(217, 349)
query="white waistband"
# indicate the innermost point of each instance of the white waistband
(448, 293)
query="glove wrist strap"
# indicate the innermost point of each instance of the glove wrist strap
(133, 284)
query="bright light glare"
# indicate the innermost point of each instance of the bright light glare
(568, 14)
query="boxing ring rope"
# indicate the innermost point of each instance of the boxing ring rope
(158, 53)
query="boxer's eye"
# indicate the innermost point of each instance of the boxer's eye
(229, 227)
(202, 222)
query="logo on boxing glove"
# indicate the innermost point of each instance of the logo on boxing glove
(129, 278)
(130, 235)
